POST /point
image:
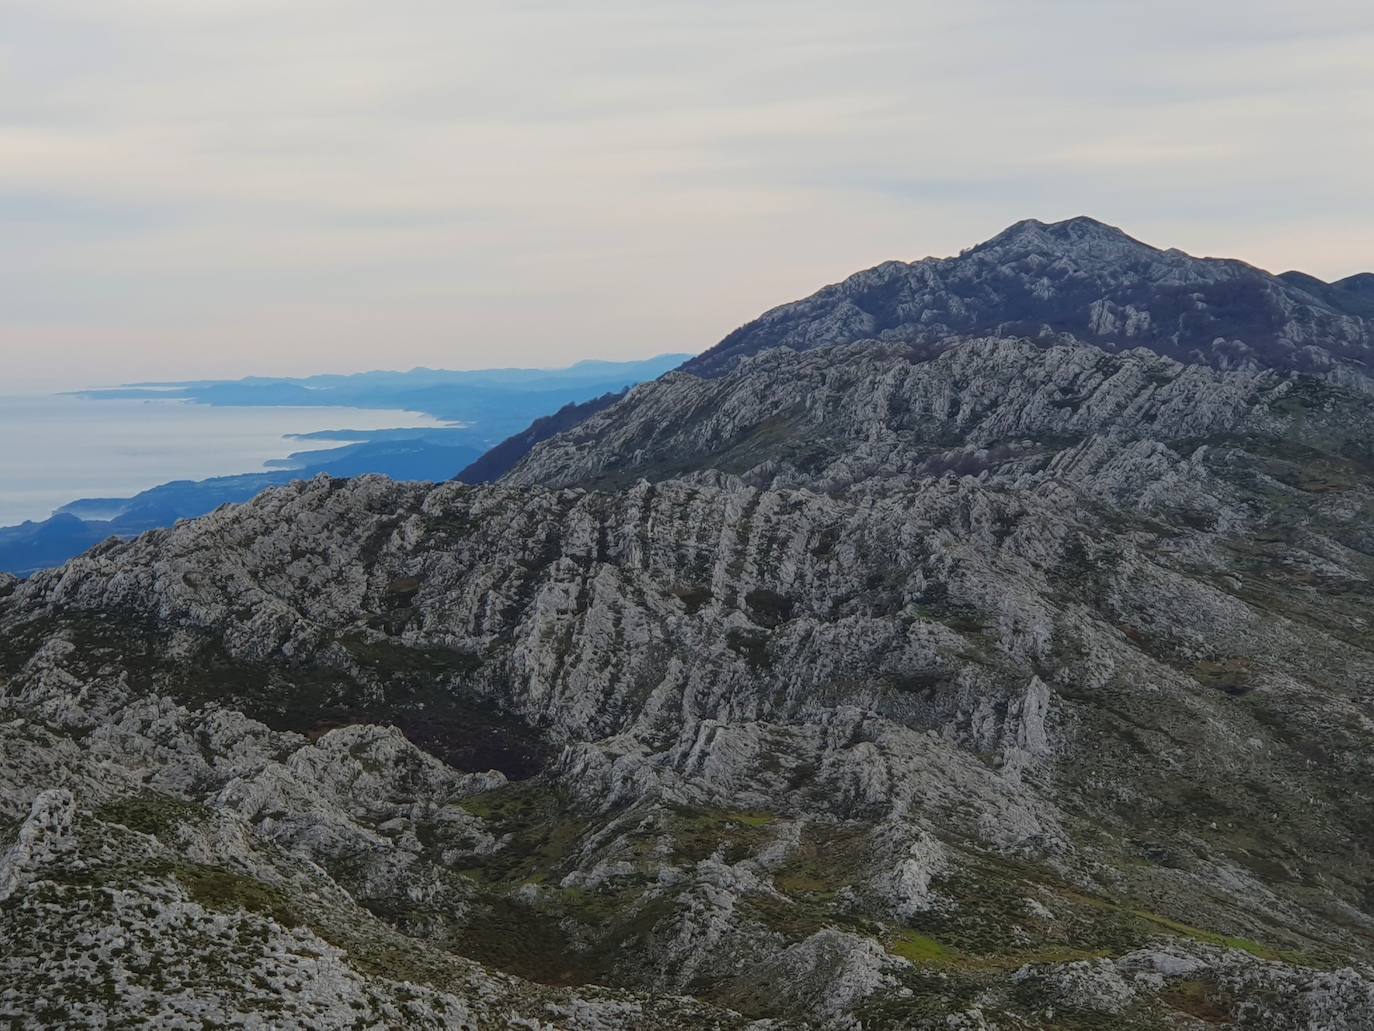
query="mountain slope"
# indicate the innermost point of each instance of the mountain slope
(910, 683)
(1001, 683)
(501, 459)
(832, 417)
(1077, 281)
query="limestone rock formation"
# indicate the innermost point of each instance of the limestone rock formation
(982, 680)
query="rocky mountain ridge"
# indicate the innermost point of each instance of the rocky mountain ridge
(1092, 282)
(833, 417)
(1009, 683)
(1072, 283)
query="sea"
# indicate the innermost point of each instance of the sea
(55, 449)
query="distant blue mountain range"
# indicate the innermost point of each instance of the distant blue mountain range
(484, 408)
(482, 397)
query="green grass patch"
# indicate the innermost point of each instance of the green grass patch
(793, 920)
(752, 819)
(990, 893)
(225, 891)
(800, 883)
(510, 806)
(700, 833)
(387, 657)
(924, 950)
(158, 815)
(918, 948)
(544, 831)
(824, 861)
(1213, 938)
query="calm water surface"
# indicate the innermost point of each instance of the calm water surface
(54, 450)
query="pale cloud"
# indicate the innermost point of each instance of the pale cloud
(234, 186)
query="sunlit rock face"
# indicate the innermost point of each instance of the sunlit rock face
(860, 678)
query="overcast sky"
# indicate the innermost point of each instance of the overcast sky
(224, 187)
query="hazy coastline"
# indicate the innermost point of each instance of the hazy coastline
(55, 448)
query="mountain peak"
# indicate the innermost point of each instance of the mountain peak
(1081, 278)
(1034, 234)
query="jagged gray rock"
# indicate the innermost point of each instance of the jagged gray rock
(831, 418)
(1008, 681)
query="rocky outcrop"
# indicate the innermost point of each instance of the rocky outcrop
(43, 836)
(211, 891)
